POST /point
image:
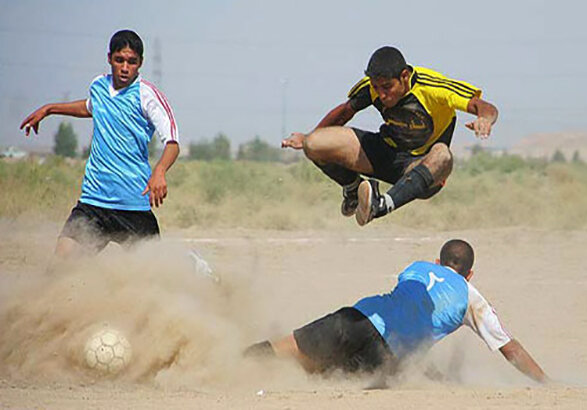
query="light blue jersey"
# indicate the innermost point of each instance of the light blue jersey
(117, 170)
(429, 302)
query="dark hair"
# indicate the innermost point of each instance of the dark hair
(457, 254)
(126, 38)
(386, 62)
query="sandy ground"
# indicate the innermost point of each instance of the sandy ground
(187, 332)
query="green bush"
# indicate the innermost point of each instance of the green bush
(483, 192)
(218, 149)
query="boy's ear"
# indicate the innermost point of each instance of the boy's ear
(437, 261)
(469, 275)
(405, 76)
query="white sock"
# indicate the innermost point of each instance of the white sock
(388, 202)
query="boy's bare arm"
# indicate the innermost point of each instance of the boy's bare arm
(73, 109)
(339, 115)
(515, 353)
(157, 185)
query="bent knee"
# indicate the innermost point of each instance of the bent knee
(442, 155)
(314, 149)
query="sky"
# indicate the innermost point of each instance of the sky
(258, 68)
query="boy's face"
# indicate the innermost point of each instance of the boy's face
(125, 65)
(391, 90)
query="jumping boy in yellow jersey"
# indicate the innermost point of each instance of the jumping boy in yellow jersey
(411, 149)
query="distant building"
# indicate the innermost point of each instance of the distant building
(13, 152)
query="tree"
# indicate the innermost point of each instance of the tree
(258, 150)
(219, 148)
(558, 156)
(477, 149)
(65, 141)
(577, 157)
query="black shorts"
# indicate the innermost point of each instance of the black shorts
(94, 227)
(389, 164)
(345, 340)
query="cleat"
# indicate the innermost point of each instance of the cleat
(201, 267)
(349, 204)
(350, 200)
(371, 203)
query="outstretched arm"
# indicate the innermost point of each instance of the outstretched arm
(73, 109)
(339, 115)
(515, 353)
(486, 116)
(157, 185)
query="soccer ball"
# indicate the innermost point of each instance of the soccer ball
(108, 351)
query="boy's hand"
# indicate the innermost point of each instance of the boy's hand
(481, 126)
(157, 188)
(295, 141)
(33, 120)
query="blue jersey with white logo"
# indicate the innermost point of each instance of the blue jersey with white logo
(429, 302)
(118, 169)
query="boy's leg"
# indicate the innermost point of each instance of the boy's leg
(82, 232)
(345, 340)
(67, 247)
(286, 347)
(338, 153)
(338, 145)
(130, 227)
(422, 180)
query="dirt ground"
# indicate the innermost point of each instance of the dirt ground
(187, 332)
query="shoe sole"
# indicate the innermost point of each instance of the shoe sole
(363, 213)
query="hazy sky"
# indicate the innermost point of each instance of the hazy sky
(238, 66)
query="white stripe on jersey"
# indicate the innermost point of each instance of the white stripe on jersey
(157, 109)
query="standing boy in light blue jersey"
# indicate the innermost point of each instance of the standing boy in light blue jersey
(126, 111)
(429, 302)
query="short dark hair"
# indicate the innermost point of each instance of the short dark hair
(386, 62)
(458, 255)
(126, 38)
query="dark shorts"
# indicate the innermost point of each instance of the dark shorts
(94, 227)
(344, 340)
(389, 164)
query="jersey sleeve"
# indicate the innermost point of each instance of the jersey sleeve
(483, 319)
(89, 106)
(158, 111)
(360, 95)
(456, 94)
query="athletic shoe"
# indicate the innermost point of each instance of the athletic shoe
(371, 202)
(202, 267)
(350, 200)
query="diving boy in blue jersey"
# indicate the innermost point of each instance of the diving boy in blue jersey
(429, 302)
(126, 111)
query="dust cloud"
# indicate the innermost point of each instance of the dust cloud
(188, 332)
(185, 329)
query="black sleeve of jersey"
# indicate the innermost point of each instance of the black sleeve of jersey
(361, 99)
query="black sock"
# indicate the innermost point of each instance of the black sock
(261, 349)
(414, 184)
(338, 173)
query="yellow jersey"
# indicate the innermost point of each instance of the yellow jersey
(421, 117)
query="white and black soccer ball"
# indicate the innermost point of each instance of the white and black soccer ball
(107, 351)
